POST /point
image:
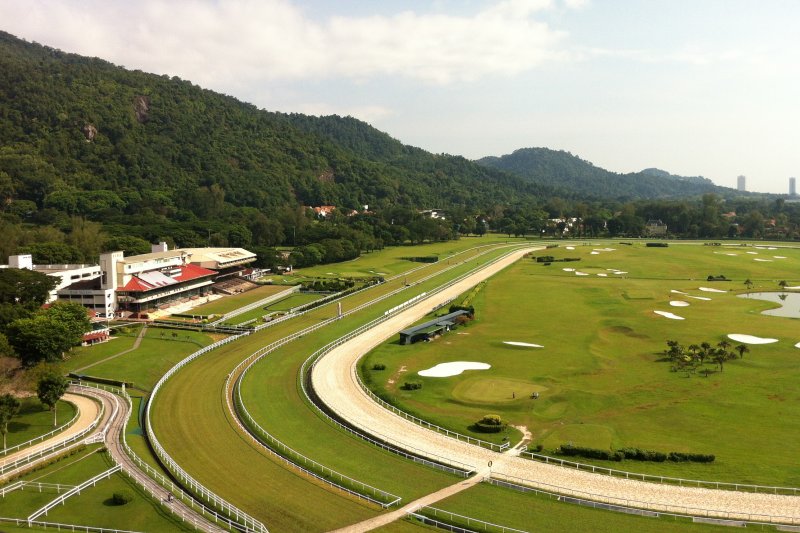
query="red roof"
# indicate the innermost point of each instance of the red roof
(95, 335)
(187, 273)
(193, 272)
(136, 285)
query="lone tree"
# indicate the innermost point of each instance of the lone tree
(742, 349)
(9, 408)
(50, 389)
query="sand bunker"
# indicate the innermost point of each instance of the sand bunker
(602, 274)
(667, 314)
(750, 339)
(445, 370)
(797, 345)
(525, 344)
(620, 272)
(752, 253)
(677, 292)
(594, 253)
(699, 298)
(679, 303)
(763, 260)
(567, 269)
(604, 249)
(570, 247)
(779, 256)
(581, 273)
(709, 289)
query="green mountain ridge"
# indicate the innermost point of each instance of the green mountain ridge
(547, 167)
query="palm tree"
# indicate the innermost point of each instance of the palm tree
(748, 284)
(719, 357)
(742, 349)
(705, 351)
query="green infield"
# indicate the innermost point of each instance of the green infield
(35, 419)
(158, 351)
(93, 506)
(601, 378)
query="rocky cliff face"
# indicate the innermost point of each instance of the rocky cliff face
(141, 106)
(89, 131)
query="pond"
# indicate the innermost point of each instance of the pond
(789, 301)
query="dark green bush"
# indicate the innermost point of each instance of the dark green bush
(121, 497)
(681, 457)
(638, 454)
(378, 366)
(411, 385)
(490, 424)
(590, 453)
(656, 245)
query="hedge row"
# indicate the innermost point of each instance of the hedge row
(636, 454)
(551, 259)
(422, 259)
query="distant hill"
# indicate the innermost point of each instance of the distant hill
(150, 155)
(554, 168)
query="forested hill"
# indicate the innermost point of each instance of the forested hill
(550, 167)
(151, 155)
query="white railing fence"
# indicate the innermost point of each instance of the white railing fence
(73, 491)
(44, 437)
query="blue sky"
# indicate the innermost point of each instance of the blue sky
(693, 87)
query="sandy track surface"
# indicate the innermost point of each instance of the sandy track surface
(88, 411)
(334, 380)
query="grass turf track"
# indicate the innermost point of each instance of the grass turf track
(598, 377)
(229, 465)
(232, 302)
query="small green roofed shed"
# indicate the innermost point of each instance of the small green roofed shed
(431, 328)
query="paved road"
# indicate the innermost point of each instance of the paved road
(334, 380)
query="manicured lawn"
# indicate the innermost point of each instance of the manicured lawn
(600, 376)
(82, 356)
(531, 512)
(92, 506)
(226, 304)
(156, 354)
(190, 408)
(34, 419)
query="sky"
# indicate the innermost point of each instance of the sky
(705, 88)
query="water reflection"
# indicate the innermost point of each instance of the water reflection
(789, 302)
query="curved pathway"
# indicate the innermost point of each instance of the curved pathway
(335, 382)
(88, 413)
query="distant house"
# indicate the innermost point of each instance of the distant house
(655, 228)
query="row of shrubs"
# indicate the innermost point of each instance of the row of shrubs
(422, 259)
(635, 454)
(719, 277)
(328, 285)
(656, 245)
(551, 259)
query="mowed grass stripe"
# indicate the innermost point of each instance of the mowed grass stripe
(191, 421)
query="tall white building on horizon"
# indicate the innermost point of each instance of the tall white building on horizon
(792, 187)
(740, 184)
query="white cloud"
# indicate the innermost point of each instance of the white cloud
(232, 42)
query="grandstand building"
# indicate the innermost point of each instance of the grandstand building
(140, 284)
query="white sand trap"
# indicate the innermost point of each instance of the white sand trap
(709, 289)
(753, 253)
(570, 247)
(679, 303)
(750, 339)
(581, 273)
(699, 298)
(797, 345)
(667, 314)
(762, 260)
(771, 248)
(779, 256)
(445, 370)
(604, 249)
(594, 253)
(602, 274)
(673, 291)
(567, 269)
(525, 344)
(619, 272)
(732, 255)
